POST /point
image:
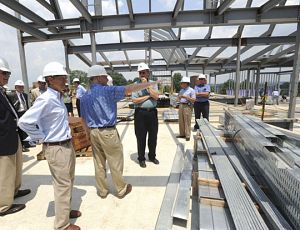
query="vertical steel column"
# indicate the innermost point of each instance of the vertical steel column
(257, 85)
(295, 77)
(93, 47)
(248, 83)
(22, 58)
(67, 60)
(237, 78)
(215, 83)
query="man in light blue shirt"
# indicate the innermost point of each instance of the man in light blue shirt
(186, 98)
(201, 105)
(99, 110)
(80, 91)
(47, 122)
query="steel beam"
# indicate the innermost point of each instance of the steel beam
(268, 6)
(195, 18)
(130, 10)
(295, 77)
(54, 37)
(84, 12)
(224, 6)
(178, 5)
(218, 42)
(19, 24)
(93, 48)
(238, 73)
(17, 7)
(46, 5)
(283, 52)
(260, 53)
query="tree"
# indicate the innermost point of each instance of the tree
(176, 81)
(118, 79)
(81, 75)
(225, 86)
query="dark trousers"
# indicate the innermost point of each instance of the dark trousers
(78, 106)
(201, 108)
(145, 121)
(22, 134)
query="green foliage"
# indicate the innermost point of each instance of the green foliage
(81, 75)
(212, 88)
(118, 79)
(225, 86)
(176, 81)
(167, 89)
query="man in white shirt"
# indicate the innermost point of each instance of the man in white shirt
(275, 96)
(47, 121)
(80, 91)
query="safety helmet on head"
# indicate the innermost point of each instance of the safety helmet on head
(202, 76)
(97, 70)
(5, 87)
(142, 66)
(185, 80)
(4, 65)
(54, 69)
(66, 84)
(76, 80)
(40, 79)
(110, 80)
(19, 83)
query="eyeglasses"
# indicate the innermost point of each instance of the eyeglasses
(201, 78)
(7, 74)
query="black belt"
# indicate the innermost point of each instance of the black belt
(104, 127)
(57, 143)
(146, 109)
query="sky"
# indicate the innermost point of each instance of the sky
(39, 54)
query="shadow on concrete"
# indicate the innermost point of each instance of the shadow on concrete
(173, 134)
(134, 158)
(27, 158)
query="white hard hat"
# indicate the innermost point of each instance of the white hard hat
(110, 80)
(4, 65)
(185, 80)
(40, 79)
(66, 84)
(54, 69)
(202, 76)
(19, 83)
(76, 80)
(5, 87)
(142, 66)
(96, 70)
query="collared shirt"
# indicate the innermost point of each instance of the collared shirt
(99, 105)
(149, 103)
(80, 91)
(201, 89)
(188, 91)
(21, 98)
(47, 119)
(275, 93)
(2, 91)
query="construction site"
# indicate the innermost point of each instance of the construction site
(239, 170)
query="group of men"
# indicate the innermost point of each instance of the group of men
(190, 98)
(46, 122)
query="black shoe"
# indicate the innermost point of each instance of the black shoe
(155, 161)
(24, 149)
(187, 138)
(14, 208)
(179, 136)
(143, 164)
(21, 193)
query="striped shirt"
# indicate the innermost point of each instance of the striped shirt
(99, 105)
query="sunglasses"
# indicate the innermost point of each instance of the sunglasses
(7, 74)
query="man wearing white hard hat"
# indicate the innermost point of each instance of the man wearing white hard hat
(145, 117)
(10, 150)
(99, 110)
(186, 97)
(47, 122)
(201, 105)
(80, 91)
(42, 87)
(20, 102)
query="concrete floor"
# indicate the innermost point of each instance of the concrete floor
(139, 210)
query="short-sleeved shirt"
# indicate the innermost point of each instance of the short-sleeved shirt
(188, 91)
(99, 105)
(80, 91)
(202, 89)
(149, 103)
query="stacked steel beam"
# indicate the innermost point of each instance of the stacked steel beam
(265, 149)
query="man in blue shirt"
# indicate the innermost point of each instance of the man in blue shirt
(186, 98)
(201, 105)
(80, 90)
(145, 117)
(99, 110)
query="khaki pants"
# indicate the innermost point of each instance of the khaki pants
(10, 177)
(185, 117)
(61, 161)
(106, 145)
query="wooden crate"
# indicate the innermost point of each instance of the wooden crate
(80, 133)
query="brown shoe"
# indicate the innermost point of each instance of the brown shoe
(72, 227)
(128, 190)
(13, 209)
(74, 214)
